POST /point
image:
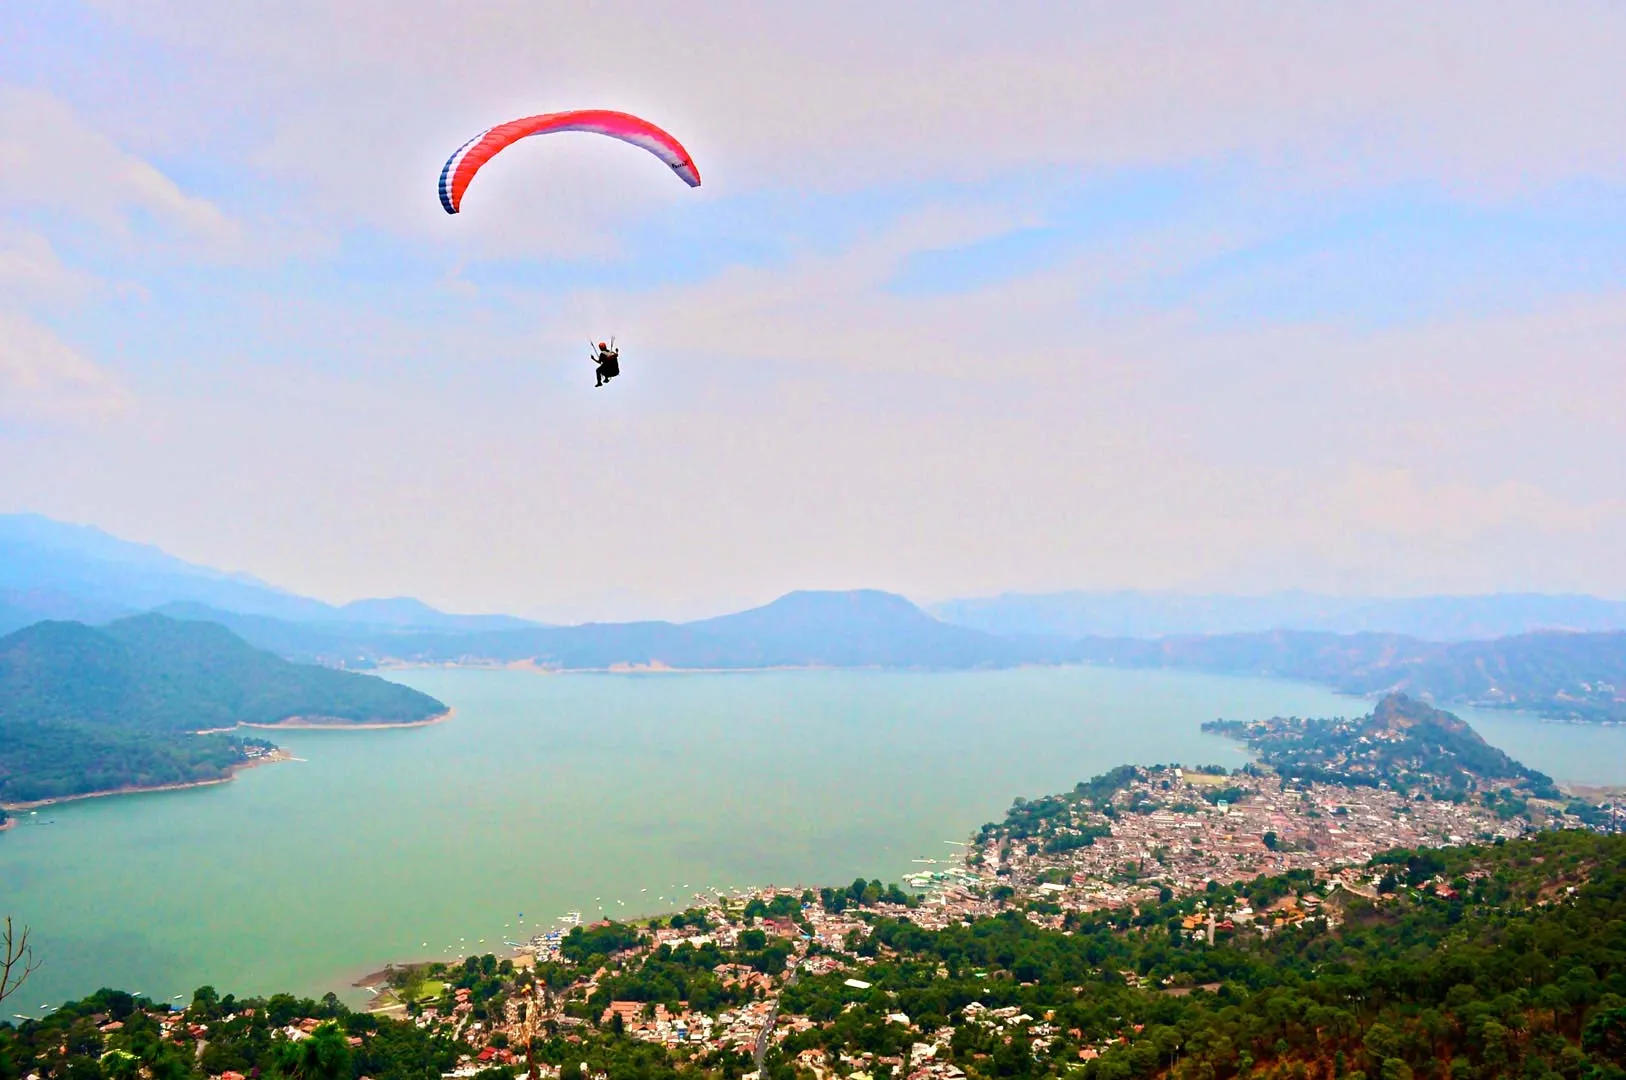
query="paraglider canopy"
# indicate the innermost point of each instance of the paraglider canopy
(472, 155)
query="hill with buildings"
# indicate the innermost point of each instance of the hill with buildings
(1474, 961)
(1402, 744)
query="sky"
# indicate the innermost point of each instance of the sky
(1030, 296)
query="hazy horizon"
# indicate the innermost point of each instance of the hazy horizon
(1220, 299)
(628, 608)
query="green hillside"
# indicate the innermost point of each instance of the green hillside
(1567, 676)
(87, 709)
(1405, 744)
(1474, 963)
(1462, 964)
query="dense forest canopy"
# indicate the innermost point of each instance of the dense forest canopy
(1471, 964)
(87, 709)
(156, 674)
(1485, 962)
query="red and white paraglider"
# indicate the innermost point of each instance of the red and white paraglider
(472, 155)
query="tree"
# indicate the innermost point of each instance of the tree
(1605, 1036)
(205, 1003)
(17, 961)
(1381, 1042)
(323, 1056)
(121, 1065)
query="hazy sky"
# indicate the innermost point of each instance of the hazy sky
(975, 297)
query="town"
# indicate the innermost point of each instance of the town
(1078, 933)
(1208, 848)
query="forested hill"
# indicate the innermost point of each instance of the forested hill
(1478, 963)
(1405, 744)
(1472, 963)
(152, 673)
(1577, 676)
(92, 709)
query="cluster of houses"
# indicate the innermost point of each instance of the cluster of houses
(1164, 835)
(655, 1023)
(1167, 837)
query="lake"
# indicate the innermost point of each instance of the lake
(555, 793)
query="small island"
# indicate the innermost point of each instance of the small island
(151, 703)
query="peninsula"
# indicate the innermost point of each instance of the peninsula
(149, 703)
(1383, 901)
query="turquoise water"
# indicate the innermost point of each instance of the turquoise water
(548, 794)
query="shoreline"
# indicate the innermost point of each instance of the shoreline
(300, 723)
(514, 951)
(659, 667)
(273, 757)
(1532, 710)
(278, 754)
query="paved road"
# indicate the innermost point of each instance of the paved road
(766, 1033)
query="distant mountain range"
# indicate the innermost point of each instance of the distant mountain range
(1569, 675)
(1572, 676)
(50, 570)
(1156, 615)
(864, 628)
(1494, 656)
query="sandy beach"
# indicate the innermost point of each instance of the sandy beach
(318, 723)
(652, 667)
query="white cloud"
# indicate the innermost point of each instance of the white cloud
(1455, 514)
(1488, 99)
(30, 269)
(802, 421)
(1528, 395)
(50, 157)
(518, 486)
(44, 378)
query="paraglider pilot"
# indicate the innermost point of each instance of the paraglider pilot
(608, 359)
